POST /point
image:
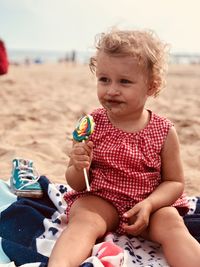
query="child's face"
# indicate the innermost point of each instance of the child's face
(122, 85)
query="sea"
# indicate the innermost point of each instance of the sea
(18, 56)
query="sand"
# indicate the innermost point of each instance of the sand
(40, 104)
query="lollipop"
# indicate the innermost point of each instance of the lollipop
(83, 130)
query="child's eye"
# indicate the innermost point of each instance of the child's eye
(124, 81)
(103, 79)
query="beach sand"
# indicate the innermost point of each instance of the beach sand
(40, 104)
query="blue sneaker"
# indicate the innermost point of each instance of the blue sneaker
(24, 179)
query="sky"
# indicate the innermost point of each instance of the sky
(63, 25)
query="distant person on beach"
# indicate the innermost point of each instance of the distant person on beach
(3, 59)
(132, 159)
(73, 56)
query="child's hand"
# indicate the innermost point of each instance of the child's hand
(138, 218)
(81, 155)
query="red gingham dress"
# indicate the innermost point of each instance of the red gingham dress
(126, 167)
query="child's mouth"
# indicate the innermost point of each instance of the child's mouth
(113, 102)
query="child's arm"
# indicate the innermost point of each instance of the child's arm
(172, 174)
(80, 158)
(166, 193)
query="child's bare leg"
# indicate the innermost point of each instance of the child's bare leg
(180, 248)
(90, 218)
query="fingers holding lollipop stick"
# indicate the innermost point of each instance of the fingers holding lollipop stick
(83, 130)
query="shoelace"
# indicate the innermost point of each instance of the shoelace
(26, 171)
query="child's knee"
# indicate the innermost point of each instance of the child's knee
(89, 220)
(164, 223)
(91, 215)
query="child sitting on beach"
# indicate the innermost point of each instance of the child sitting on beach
(132, 158)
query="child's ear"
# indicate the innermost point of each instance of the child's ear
(152, 88)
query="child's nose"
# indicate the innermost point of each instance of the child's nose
(113, 90)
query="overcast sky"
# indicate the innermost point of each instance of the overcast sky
(72, 24)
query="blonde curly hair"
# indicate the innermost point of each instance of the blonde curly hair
(144, 46)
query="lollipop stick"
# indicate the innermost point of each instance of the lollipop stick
(86, 179)
(86, 176)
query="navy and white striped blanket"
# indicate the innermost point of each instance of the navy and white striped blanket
(29, 228)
